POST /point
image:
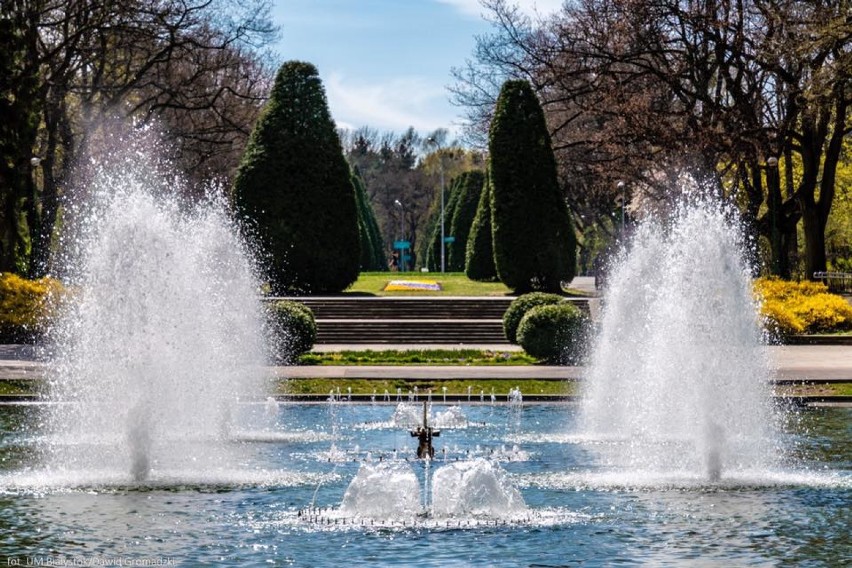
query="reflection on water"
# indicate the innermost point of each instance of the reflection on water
(796, 515)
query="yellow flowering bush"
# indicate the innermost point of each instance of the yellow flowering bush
(790, 308)
(27, 306)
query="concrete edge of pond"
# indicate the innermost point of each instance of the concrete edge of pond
(816, 401)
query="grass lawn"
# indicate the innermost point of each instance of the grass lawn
(831, 389)
(452, 284)
(323, 386)
(15, 387)
(419, 357)
(456, 387)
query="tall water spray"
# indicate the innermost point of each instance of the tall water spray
(678, 383)
(163, 337)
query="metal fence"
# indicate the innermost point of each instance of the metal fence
(836, 281)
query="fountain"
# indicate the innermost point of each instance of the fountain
(149, 448)
(424, 434)
(477, 488)
(678, 379)
(383, 491)
(164, 336)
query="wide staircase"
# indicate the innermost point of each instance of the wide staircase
(423, 320)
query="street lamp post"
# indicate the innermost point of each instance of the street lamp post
(441, 167)
(398, 203)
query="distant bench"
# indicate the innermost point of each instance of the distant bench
(836, 281)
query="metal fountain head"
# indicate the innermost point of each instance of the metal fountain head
(424, 435)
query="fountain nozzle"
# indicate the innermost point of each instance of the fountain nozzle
(424, 435)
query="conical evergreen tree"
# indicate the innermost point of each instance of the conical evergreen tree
(425, 243)
(372, 248)
(294, 186)
(470, 189)
(534, 242)
(479, 263)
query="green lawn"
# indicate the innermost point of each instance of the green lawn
(452, 284)
(454, 387)
(419, 357)
(323, 386)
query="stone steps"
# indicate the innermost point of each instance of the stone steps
(410, 331)
(406, 307)
(410, 319)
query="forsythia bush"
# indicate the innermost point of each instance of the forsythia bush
(26, 306)
(801, 307)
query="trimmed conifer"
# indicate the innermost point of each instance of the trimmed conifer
(534, 242)
(469, 191)
(372, 248)
(294, 187)
(479, 261)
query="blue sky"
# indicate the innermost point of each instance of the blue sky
(386, 63)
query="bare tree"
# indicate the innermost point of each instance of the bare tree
(730, 89)
(196, 66)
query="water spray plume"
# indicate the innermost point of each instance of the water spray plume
(679, 374)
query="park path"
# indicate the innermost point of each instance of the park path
(792, 363)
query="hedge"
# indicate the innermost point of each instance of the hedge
(790, 308)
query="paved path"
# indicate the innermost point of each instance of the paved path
(793, 362)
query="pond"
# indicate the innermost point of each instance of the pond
(288, 458)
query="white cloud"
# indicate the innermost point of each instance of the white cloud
(530, 7)
(394, 104)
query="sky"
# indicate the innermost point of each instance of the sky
(387, 63)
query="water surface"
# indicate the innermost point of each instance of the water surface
(247, 512)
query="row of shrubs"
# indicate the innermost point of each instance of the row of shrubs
(545, 325)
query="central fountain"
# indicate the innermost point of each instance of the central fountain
(388, 493)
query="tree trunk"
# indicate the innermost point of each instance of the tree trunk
(814, 229)
(774, 202)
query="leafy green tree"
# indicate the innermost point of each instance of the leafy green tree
(470, 189)
(372, 247)
(294, 186)
(534, 242)
(18, 129)
(479, 261)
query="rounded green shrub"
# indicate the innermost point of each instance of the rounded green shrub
(554, 333)
(520, 306)
(294, 329)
